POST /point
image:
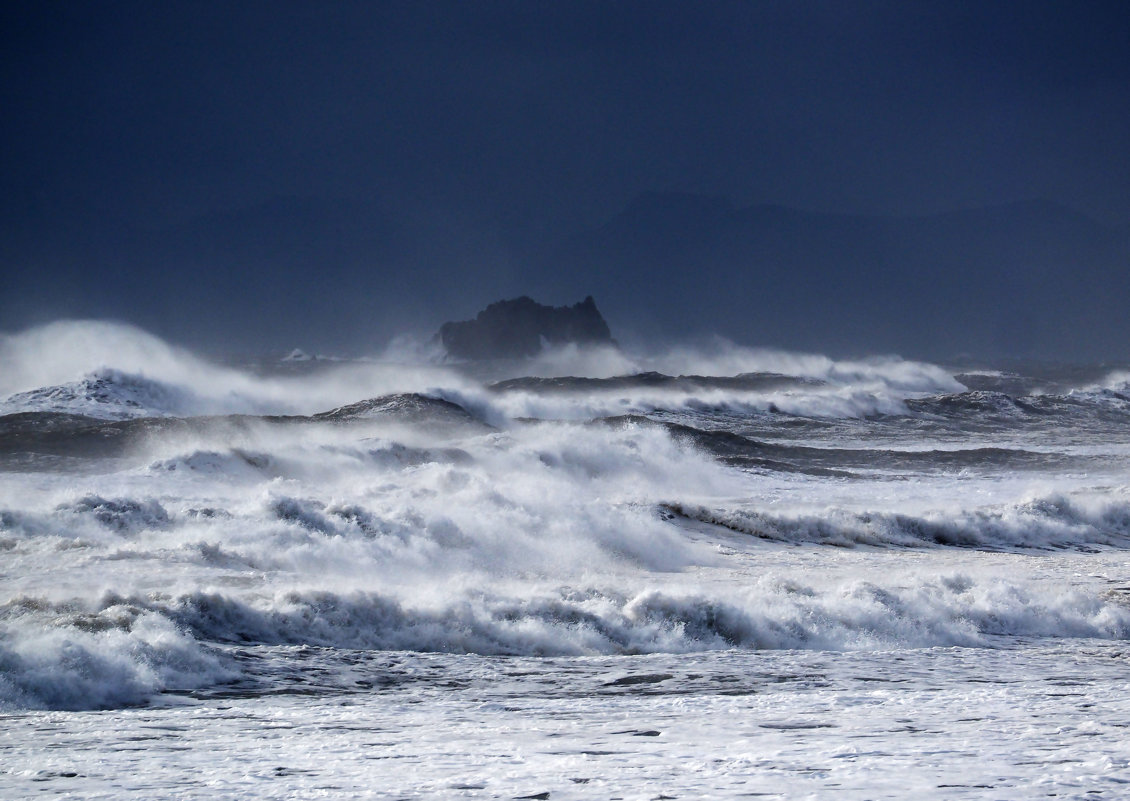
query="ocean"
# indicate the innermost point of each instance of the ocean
(699, 571)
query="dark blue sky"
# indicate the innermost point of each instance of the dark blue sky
(284, 171)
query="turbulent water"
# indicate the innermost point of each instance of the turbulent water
(708, 571)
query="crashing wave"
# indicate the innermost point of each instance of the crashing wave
(108, 395)
(69, 657)
(975, 403)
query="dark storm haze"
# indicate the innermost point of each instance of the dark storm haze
(931, 179)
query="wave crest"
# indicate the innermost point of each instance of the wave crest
(1047, 522)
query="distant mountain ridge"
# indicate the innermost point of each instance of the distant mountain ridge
(1023, 278)
(1030, 279)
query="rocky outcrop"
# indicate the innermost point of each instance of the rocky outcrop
(519, 328)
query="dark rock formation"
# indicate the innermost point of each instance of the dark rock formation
(519, 328)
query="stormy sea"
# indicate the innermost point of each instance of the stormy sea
(704, 570)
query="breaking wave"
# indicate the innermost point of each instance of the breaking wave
(60, 657)
(123, 650)
(720, 357)
(117, 371)
(1046, 522)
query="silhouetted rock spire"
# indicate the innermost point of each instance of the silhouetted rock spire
(518, 328)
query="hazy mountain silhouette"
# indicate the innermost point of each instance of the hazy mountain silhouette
(1031, 279)
(1023, 279)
